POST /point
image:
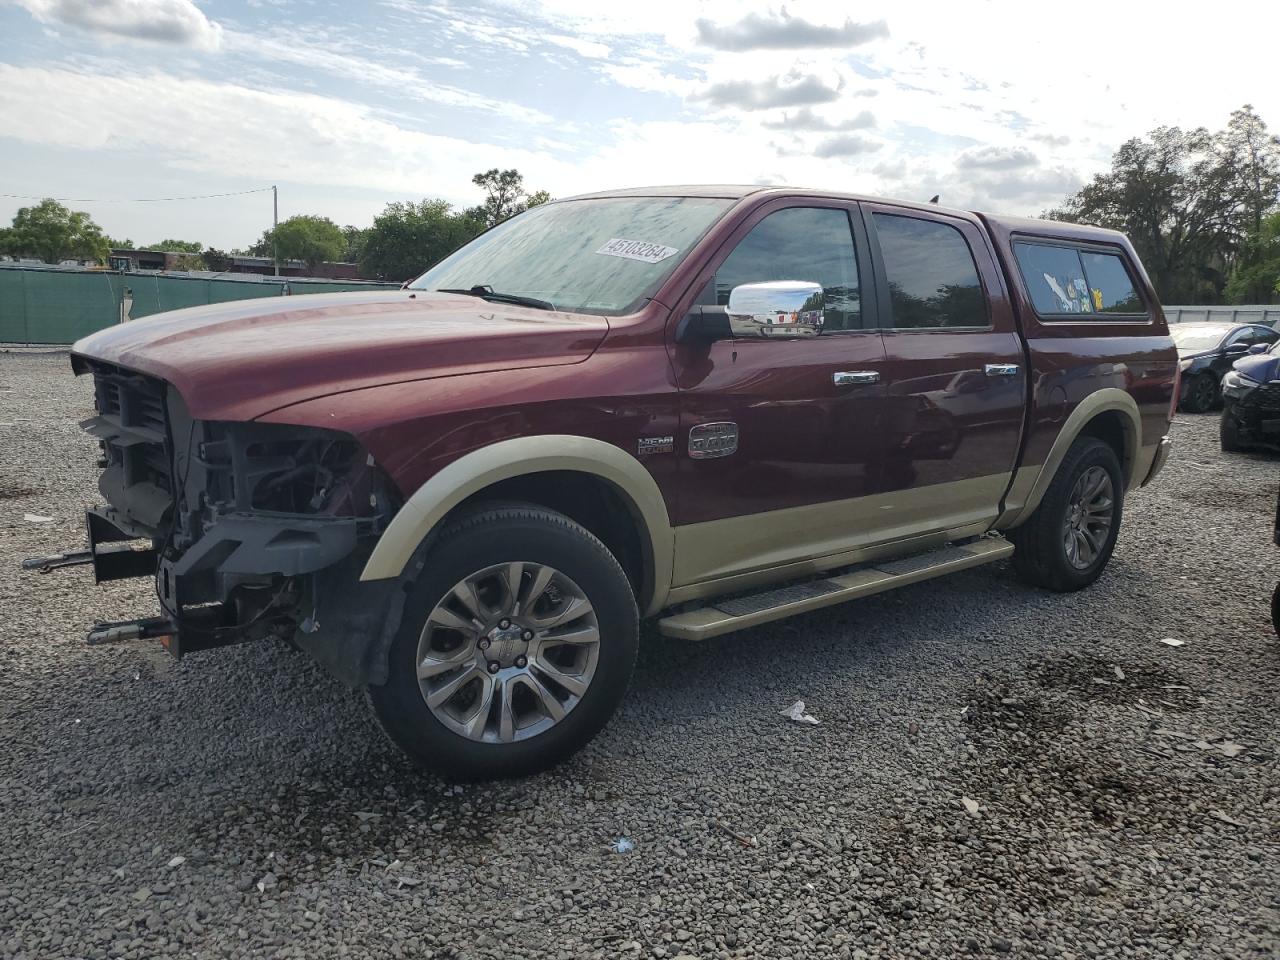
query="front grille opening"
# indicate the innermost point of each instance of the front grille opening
(132, 429)
(309, 473)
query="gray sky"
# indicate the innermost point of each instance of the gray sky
(349, 105)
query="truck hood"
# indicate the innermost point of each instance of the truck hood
(240, 360)
(1263, 367)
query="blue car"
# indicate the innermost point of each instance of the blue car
(1251, 400)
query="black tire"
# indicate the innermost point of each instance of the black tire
(1202, 394)
(1275, 609)
(1040, 555)
(493, 535)
(1229, 430)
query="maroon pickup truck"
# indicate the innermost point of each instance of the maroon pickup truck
(709, 406)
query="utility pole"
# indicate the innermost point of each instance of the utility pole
(275, 222)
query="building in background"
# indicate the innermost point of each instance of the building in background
(294, 268)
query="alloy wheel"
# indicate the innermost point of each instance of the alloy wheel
(1205, 394)
(1090, 512)
(508, 652)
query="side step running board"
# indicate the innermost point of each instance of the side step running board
(737, 613)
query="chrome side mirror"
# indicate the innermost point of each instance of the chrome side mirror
(777, 310)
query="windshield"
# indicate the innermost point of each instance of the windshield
(1195, 339)
(588, 256)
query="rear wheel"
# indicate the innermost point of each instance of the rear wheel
(1069, 539)
(1202, 394)
(517, 645)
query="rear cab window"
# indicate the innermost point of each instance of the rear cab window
(933, 279)
(1073, 283)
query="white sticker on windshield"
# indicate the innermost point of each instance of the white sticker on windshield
(637, 250)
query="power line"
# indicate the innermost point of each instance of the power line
(206, 196)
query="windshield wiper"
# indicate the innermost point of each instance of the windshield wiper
(486, 292)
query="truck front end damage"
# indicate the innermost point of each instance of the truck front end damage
(250, 530)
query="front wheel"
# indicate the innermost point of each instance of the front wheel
(1067, 542)
(517, 645)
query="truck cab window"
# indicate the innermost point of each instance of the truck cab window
(933, 280)
(1109, 284)
(1054, 278)
(800, 243)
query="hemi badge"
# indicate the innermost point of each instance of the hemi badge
(710, 440)
(647, 446)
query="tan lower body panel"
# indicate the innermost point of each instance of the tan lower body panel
(718, 549)
(725, 616)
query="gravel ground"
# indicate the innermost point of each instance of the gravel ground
(242, 803)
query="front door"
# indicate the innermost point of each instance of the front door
(804, 410)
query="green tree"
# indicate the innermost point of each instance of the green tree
(216, 259)
(355, 238)
(503, 190)
(1257, 277)
(1189, 201)
(190, 261)
(408, 237)
(311, 239)
(177, 246)
(1252, 156)
(54, 233)
(125, 244)
(1169, 193)
(505, 196)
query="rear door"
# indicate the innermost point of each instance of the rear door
(955, 385)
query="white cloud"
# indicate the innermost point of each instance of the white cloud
(214, 128)
(784, 32)
(848, 145)
(806, 119)
(584, 48)
(996, 158)
(791, 91)
(404, 82)
(175, 22)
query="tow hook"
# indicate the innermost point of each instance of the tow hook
(123, 630)
(45, 564)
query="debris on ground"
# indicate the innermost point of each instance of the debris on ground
(36, 518)
(1171, 642)
(622, 845)
(743, 839)
(970, 806)
(1226, 818)
(796, 712)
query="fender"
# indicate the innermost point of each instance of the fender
(518, 457)
(1031, 483)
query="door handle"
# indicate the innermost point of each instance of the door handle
(851, 378)
(1001, 369)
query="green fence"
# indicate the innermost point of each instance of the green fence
(61, 306)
